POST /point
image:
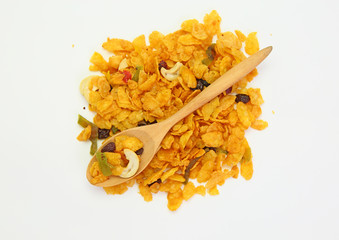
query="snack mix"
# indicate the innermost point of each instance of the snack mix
(143, 84)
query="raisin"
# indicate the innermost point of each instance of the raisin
(242, 98)
(139, 151)
(162, 64)
(200, 85)
(110, 147)
(229, 90)
(103, 133)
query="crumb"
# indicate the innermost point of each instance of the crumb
(72, 45)
(273, 111)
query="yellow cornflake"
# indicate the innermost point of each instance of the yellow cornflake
(240, 35)
(259, 124)
(251, 43)
(85, 134)
(246, 169)
(188, 191)
(168, 174)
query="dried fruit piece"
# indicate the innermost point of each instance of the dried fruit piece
(94, 133)
(127, 76)
(103, 164)
(115, 130)
(162, 64)
(136, 74)
(242, 98)
(201, 84)
(103, 133)
(110, 147)
(139, 151)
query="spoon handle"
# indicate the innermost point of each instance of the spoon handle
(221, 84)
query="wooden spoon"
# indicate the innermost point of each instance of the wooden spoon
(152, 135)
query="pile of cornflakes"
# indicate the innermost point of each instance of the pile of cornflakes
(207, 147)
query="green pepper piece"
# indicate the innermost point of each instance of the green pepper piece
(103, 164)
(115, 130)
(94, 133)
(83, 122)
(188, 169)
(94, 146)
(136, 74)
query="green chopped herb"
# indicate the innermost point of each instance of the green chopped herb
(94, 146)
(188, 169)
(83, 122)
(210, 55)
(136, 74)
(115, 130)
(104, 166)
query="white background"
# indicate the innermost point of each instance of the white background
(43, 190)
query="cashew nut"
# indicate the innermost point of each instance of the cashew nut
(172, 73)
(133, 164)
(84, 87)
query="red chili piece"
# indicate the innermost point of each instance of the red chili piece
(128, 76)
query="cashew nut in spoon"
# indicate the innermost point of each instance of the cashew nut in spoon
(172, 73)
(133, 164)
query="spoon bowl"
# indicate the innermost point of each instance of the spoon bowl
(152, 135)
